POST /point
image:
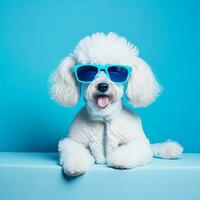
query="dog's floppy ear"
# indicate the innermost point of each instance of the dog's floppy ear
(142, 88)
(64, 88)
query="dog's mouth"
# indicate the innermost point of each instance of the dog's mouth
(102, 100)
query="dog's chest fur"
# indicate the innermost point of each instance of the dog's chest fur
(102, 138)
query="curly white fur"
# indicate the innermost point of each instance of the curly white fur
(168, 150)
(64, 88)
(112, 135)
(103, 49)
(78, 157)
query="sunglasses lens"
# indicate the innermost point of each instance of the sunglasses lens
(87, 73)
(118, 73)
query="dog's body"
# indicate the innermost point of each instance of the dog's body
(104, 137)
(104, 131)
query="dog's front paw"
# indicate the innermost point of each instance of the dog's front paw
(119, 159)
(74, 157)
(129, 156)
(75, 167)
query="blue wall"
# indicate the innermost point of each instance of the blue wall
(36, 35)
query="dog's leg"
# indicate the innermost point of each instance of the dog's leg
(98, 151)
(75, 158)
(130, 155)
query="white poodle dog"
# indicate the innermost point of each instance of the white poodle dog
(104, 131)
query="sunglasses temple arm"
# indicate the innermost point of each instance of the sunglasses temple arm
(125, 98)
(81, 89)
(125, 85)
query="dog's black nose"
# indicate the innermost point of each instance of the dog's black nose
(102, 87)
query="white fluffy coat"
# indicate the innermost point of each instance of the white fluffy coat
(112, 135)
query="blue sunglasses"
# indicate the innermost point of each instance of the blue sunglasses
(86, 73)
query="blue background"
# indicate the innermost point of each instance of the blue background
(36, 35)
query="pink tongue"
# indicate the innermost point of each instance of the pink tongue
(102, 101)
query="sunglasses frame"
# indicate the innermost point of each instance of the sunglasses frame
(101, 68)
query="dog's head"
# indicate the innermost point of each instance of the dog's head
(103, 96)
